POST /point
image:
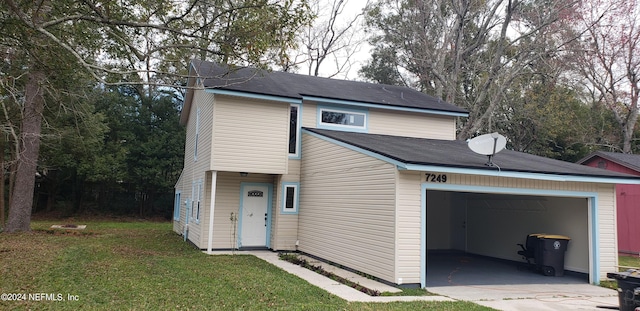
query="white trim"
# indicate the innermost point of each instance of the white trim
(296, 155)
(212, 204)
(296, 198)
(177, 205)
(364, 128)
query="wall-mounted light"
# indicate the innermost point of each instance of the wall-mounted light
(244, 174)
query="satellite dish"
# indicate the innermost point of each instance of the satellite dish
(488, 144)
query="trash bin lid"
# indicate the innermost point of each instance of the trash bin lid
(537, 235)
(631, 274)
(554, 237)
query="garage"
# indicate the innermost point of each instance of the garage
(487, 226)
(402, 200)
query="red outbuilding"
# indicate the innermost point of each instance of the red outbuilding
(628, 196)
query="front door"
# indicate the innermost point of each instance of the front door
(254, 215)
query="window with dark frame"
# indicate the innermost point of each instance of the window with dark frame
(336, 117)
(293, 130)
(290, 198)
(195, 143)
(198, 201)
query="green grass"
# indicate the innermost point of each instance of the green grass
(625, 262)
(145, 266)
(629, 261)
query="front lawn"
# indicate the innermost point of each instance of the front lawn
(145, 266)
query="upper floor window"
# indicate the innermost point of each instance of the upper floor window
(342, 119)
(195, 143)
(294, 129)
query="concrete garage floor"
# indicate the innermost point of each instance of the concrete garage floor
(506, 285)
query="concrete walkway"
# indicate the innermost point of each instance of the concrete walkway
(512, 297)
(343, 291)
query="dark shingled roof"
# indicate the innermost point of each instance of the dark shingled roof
(296, 86)
(455, 153)
(631, 161)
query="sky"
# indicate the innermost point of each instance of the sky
(328, 68)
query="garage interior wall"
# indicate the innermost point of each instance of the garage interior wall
(493, 224)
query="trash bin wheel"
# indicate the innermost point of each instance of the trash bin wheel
(548, 271)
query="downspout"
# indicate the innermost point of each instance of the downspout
(212, 204)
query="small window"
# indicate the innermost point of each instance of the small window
(176, 206)
(195, 144)
(342, 119)
(198, 196)
(196, 192)
(290, 198)
(294, 129)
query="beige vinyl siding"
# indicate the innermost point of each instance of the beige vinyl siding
(309, 115)
(408, 218)
(284, 231)
(608, 232)
(194, 168)
(411, 124)
(408, 238)
(397, 123)
(250, 135)
(227, 201)
(347, 208)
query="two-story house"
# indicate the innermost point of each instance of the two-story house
(370, 177)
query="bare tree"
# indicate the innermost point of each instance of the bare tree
(328, 45)
(465, 51)
(607, 57)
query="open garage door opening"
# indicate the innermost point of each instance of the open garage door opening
(472, 238)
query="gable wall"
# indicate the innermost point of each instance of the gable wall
(250, 135)
(611, 166)
(347, 208)
(194, 168)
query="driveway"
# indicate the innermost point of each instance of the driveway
(507, 286)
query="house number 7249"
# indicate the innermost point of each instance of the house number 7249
(436, 177)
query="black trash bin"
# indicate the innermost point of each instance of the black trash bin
(550, 254)
(628, 289)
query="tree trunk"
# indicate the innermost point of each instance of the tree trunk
(2, 181)
(27, 159)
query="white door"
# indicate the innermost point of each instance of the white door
(255, 200)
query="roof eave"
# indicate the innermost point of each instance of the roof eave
(186, 106)
(521, 174)
(384, 106)
(404, 165)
